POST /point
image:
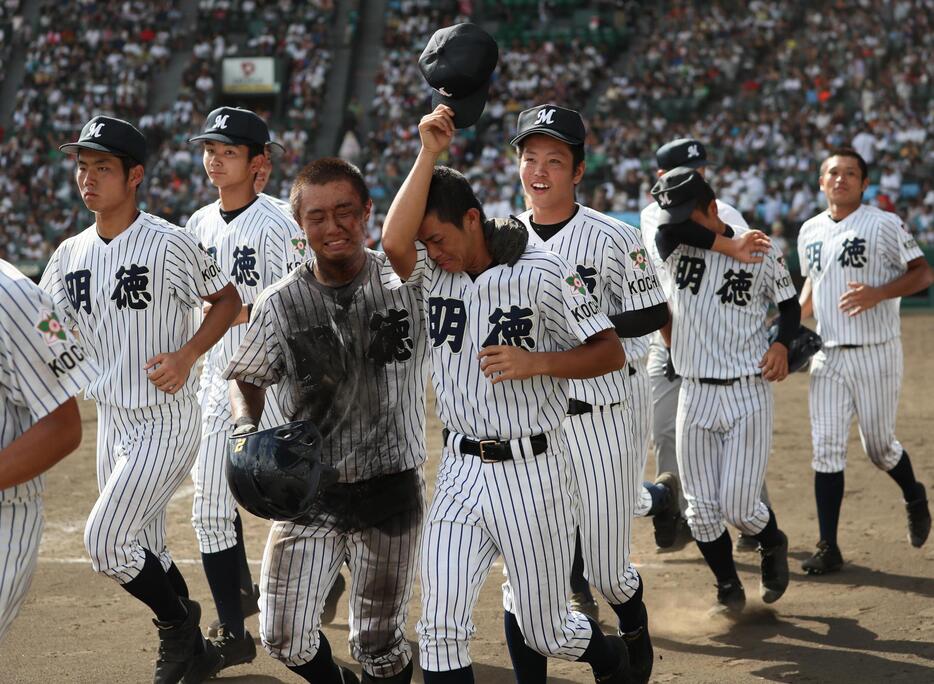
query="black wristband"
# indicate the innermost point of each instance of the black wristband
(249, 311)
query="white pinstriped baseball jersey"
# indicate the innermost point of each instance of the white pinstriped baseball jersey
(648, 224)
(254, 250)
(540, 304)
(41, 364)
(130, 300)
(41, 367)
(309, 338)
(610, 258)
(869, 246)
(719, 307)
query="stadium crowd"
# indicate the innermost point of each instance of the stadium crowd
(101, 57)
(842, 73)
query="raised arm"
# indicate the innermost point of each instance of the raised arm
(408, 207)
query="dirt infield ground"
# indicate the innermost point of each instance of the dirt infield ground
(873, 622)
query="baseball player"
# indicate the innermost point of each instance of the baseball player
(665, 384)
(607, 452)
(503, 338)
(349, 356)
(858, 262)
(42, 367)
(720, 348)
(128, 284)
(255, 244)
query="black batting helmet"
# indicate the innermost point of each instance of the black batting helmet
(277, 473)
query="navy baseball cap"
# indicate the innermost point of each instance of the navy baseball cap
(563, 124)
(686, 152)
(676, 193)
(235, 126)
(115, 136)
(458, 63)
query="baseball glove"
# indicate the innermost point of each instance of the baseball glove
(506, 239)
(805, 344)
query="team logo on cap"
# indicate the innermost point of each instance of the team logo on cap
(693, 151)
(220, 121)
(51, 328)
(545, 117)
(444, 92)
(664, 200)
(94, 130)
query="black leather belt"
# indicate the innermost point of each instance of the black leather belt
(724, 381)
(494, 450)
(576, 407)
(850, 346)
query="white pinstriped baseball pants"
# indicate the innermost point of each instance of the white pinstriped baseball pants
(724, 435)
(607, 468)
(143, 456)
(865, 381)
(300, 566)
(522, 509)
(213, 508)
(21, 523)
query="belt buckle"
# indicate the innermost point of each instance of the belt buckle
(483, 457)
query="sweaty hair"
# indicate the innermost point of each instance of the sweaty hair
(847, 152)
(450, 197)
(705, 195)
(322, 172)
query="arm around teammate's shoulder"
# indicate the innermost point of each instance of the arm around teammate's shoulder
(407, 210)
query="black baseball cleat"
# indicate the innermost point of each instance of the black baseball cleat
(185, 655)
(666, 511)
(919, 518)
(774, 568)
(330, 603)
(235, 650)
(249, 605)
(825, 560)
(745, 544)
(731, 598)
(622, 674)
(641, 655)
(584, 602)
(347, 676)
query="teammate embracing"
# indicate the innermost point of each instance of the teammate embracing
(129, 284)
(607, 451)
(255, 244)
(504, 334)
(725, 406)
(858, 262)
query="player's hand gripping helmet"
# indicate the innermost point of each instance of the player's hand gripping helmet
(805, 345)
(277, 473)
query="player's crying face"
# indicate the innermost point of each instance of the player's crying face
(333, 219)
(447, 244)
